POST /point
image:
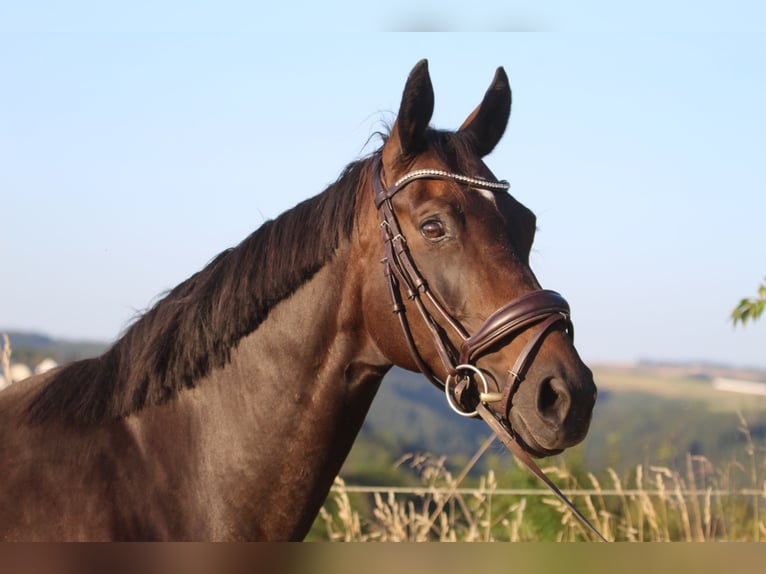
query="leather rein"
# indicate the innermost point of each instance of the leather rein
(540, 310)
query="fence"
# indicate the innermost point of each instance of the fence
(463, 491)
(660, 505)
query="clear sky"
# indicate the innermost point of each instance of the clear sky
(137, 143)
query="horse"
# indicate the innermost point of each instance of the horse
(226, 410)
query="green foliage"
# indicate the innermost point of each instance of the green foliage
(750, 309)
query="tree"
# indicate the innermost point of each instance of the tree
(750, 309)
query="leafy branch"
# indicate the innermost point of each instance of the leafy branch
(750, 309)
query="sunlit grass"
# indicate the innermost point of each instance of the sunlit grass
(651, 503)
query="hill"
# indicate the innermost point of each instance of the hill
(30, 348)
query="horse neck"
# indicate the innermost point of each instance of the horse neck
(279, 419)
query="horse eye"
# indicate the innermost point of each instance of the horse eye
(433, 229)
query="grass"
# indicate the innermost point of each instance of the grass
(651, 503)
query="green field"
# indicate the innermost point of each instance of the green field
(653, 418)
(669, 387)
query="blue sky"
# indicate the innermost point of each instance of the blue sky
(137, 144)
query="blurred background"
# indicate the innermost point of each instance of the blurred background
(138, 142)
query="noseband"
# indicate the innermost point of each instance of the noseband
(539, 311)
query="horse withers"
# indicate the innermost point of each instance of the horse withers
(227, 409)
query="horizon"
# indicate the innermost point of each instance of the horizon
(635, 364)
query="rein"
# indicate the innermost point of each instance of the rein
(542, 310)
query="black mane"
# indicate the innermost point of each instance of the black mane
(195, 327)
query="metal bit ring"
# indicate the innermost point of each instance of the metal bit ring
(448, 392)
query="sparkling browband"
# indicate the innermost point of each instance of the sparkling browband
(475, 181)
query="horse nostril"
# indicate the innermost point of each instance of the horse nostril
(553, 401)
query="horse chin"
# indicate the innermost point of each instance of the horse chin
(525, 437)
(538, 451)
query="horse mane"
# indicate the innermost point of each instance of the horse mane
(195, 327)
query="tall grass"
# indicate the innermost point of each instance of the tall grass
(654, 503)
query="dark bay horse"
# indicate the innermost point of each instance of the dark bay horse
(226, 410)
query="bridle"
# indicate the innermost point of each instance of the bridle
(540, 311)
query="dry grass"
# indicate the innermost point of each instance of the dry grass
(438, 511)
(5, 360)
(699, 503)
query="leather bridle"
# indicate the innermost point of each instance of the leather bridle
(540, 311)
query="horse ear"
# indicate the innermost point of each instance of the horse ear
(485, 126)
(408, 134)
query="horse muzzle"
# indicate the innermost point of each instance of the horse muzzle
(546, 412)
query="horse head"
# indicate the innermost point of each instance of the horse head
(455, 248)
